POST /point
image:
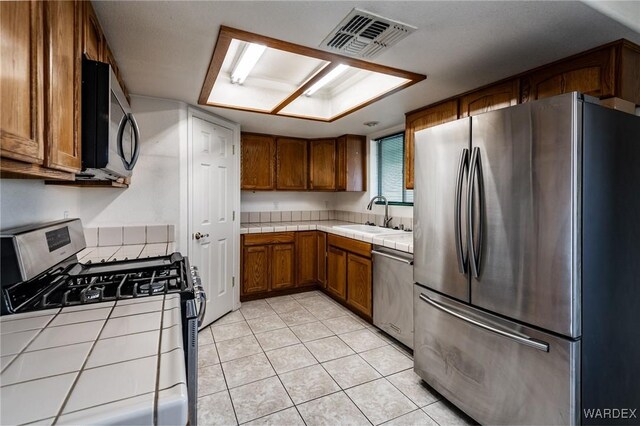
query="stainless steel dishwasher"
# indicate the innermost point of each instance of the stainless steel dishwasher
(393, 293)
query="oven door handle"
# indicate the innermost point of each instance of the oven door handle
(202, 296)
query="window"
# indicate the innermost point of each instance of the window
(390, 156)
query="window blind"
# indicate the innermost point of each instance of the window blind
(391, 169)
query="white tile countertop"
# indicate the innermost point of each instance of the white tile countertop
(402, 242)
(109, 362)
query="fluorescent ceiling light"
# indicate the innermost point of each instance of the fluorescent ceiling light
(333, 74)
(248, 60)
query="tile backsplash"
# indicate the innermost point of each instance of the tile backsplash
(119, 235)
(316, 215)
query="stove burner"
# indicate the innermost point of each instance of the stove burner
(155, 288)
(78, 283)
(90, 295)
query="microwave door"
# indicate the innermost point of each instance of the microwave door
(116, 116)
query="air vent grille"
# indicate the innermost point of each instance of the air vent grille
(364, 34)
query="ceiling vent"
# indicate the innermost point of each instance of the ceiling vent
(365, 35)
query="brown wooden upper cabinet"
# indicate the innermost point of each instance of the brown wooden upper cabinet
(41, 111)
(490, 98)
(322, 164)
(93, 42)
(22, 81)
(292, 168)
(63, 84)
(609, 71)
(258, 162)
(351, 170)
(612, 70)
(422, 119)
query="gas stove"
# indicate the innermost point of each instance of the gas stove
(40, 270)
(78, 284)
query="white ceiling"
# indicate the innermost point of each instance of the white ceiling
(163, 49)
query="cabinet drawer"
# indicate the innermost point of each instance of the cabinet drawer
(494, 376)
(269, 238)
(348, 244)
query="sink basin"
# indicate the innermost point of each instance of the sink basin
(369, 230)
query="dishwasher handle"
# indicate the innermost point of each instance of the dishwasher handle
(390, 256)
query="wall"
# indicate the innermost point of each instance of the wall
(285, 200)
(153, 197)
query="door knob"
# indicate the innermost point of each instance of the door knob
(198, 235)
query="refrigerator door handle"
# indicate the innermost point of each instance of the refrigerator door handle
(528, 341)
(462, 165)
(475, 169)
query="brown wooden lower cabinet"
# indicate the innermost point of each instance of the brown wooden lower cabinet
(255, 271)
(337, 272)
(282, 266)
(349, 269)
(359, 290)
(307, 255)
(268, 262)
(322, 259)
(286, 262)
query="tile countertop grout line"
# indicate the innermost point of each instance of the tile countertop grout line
(75, 380)
(23, 350)
(159, 354)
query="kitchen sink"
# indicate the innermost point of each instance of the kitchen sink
(369, 230)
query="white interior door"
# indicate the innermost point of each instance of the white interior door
(214, 179)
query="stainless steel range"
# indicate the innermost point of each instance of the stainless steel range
(40, 271)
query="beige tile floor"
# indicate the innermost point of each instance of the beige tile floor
(304, 359)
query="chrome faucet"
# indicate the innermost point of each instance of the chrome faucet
(387, 219)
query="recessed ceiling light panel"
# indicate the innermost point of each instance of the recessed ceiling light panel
(248, 60)
(255, 73)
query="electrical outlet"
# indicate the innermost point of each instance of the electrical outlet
(66, 214)
(276, 205)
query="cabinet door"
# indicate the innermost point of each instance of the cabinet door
(255, 269)
(292, 170)
(359, 290)
(337, 272)
(92, 37)
(351, 163)
(592, 73)
(307, 256)
(322, 168)
(490, 98)
(419, 120)
(322, 258)
(21, 81)
(282, 264)
(341, 163)
(62, 82)
(258, 153)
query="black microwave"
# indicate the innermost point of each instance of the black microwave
(110, 134)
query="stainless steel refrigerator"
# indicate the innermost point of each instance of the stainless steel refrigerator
(527, 263)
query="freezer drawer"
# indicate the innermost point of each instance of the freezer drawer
(393, 293)
(496, 371)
